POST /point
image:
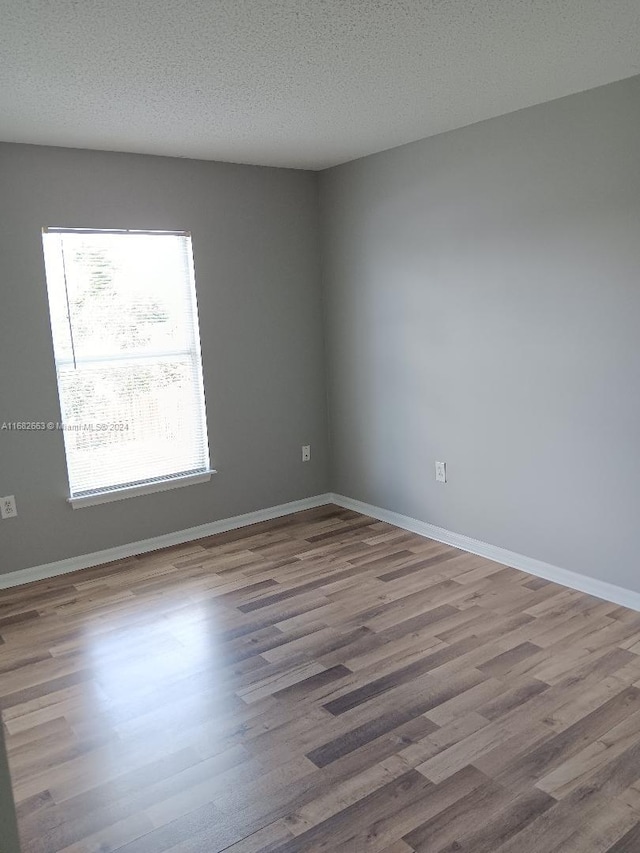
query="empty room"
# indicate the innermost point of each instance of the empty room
(319, 422)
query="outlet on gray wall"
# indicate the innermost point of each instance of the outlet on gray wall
(482, 298)
(256, 252)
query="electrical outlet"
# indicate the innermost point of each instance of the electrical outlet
(441, 472)
(8, 507)
(306, 452)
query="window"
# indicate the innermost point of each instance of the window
(127, 351)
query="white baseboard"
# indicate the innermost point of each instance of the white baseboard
(86, 561)
(564, 577)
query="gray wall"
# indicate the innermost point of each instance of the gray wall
(482, 295)
(256, 252)
(482, 306)
(8, 829)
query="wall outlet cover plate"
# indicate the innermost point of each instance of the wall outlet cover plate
(8, 507)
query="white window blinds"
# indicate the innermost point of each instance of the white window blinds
(127, 351)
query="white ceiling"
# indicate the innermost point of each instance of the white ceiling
(301, 83)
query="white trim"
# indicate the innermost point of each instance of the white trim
(565, 577)
(96, 498)
(120, 552)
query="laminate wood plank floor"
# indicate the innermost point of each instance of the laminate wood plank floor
(322, 682)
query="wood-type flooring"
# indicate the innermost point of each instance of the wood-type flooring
(321, 682)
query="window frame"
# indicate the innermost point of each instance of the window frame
(161, 483)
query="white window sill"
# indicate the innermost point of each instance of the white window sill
(145, 489)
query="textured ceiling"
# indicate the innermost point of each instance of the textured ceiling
(302, 83)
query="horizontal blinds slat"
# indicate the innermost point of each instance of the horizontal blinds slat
(82, 231)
